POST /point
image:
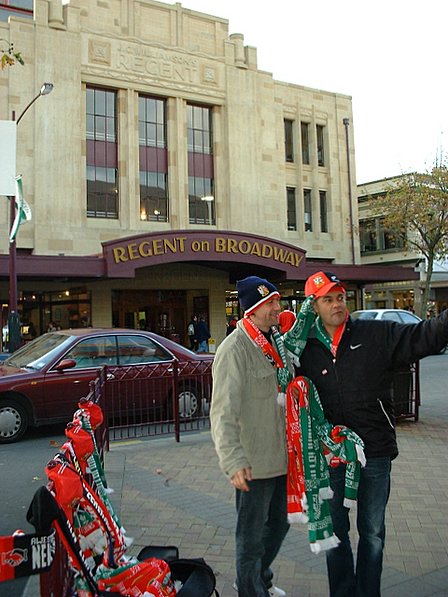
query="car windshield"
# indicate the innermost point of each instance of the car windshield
(39, 352)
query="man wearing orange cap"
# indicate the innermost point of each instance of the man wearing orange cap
(351, 363)
(248, 430)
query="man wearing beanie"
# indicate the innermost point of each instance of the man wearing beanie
(248, 429)
(351, 363)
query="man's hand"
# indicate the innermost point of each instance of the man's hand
(308, 305)
(240, 478)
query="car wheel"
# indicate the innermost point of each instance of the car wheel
(13, 421)
(188, 402)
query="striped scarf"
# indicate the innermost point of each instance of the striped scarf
(314, 444)
(276, 356)
(308, 481)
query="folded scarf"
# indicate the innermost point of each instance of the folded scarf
(308, 484)
(313, 443)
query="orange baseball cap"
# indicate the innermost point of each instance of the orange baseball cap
(321, 283)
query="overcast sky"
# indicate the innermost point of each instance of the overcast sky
(391, 56)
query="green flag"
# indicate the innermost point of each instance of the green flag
(23, 210)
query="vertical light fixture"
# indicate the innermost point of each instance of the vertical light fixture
(346, 122)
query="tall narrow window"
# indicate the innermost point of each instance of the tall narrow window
(389, 239)
(307, 210)
(320, 145)
(323, 211)
(101, 154)
(291, 208)
(368, 235)
(153, 159)
(200, 165)
(289, 140)
(305, 138)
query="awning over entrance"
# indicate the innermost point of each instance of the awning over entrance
(236, 253)
(55, 266)
(364, 274)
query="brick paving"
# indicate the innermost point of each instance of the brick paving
(175, 494)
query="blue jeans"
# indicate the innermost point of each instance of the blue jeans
(203, 346)
(373, 494)
(260, 529)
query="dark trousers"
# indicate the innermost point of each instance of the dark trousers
(373, 494)
(261, 527)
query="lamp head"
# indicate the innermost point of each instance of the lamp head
(46, 88)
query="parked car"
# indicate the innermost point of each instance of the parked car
(42, 382)
(398, 315)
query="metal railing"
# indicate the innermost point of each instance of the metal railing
(163, 399)
(406, 392)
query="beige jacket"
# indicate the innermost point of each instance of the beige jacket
(248, 425)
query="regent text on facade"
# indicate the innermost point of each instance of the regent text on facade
(156, 248)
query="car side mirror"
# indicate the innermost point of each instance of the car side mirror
(65, 364)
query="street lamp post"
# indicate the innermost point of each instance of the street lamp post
(14, 339)
(346, 122)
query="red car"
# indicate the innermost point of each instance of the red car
(42, 382)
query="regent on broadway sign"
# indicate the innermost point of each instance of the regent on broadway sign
(125, 255)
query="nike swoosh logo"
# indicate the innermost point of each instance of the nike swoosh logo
(354, 347)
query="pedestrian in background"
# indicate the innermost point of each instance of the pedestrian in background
(32, 332)
(231, 326)
(248, 430)
(191, 332)
(202, 335)
(351, 363)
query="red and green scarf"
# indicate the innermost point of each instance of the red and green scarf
(260, 340)
(313, 443)
(276, 356)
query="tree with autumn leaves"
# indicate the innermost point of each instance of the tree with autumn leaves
(416, 209)
(9, 57)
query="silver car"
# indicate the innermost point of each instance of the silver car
(398, 315)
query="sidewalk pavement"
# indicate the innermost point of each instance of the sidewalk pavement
(174, 494)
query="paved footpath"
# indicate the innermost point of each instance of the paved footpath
(174, 494)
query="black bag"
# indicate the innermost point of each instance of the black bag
(196, 576)
(161, 552)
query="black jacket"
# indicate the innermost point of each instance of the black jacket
(202, 332)
(355, 387)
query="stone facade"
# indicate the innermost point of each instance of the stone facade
(168, 51)
(183, 56)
